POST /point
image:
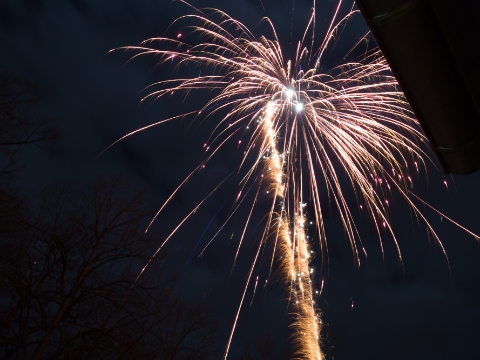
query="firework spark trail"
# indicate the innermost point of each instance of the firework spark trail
(294, 251)
(294, 248)
(304, 128)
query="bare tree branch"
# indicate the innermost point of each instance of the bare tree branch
(68, 289)
(20, 121)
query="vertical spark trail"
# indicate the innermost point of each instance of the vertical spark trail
(293, 247)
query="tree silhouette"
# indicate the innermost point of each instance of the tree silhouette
(70, 262)
(20, 121)
(69, 287)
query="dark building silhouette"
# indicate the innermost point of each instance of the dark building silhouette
(433, 48)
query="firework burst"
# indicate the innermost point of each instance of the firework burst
(307, 129)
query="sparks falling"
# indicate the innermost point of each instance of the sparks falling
(303, 129)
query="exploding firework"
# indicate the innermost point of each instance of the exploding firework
(303, 130)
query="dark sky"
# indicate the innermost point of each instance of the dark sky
(429, 308)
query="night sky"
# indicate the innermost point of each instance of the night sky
(426, 308)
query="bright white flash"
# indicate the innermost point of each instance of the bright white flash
(289, 93)
(299, 107)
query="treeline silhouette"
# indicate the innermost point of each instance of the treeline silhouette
(70, 259)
